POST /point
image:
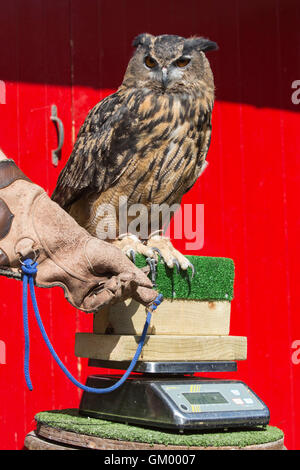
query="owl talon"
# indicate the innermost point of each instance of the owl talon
(153, 271)
(177, 265)
(193, 269)
(157, 250)
(132, 255)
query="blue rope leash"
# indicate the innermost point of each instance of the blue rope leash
(29, 268)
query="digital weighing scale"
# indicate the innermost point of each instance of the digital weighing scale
(167, 395)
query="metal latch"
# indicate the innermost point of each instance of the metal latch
(56, 154)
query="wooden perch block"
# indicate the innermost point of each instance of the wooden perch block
(178, 317)
(161, 347)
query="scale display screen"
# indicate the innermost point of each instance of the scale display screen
(205, 398)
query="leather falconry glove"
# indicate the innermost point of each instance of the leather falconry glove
(92, 272)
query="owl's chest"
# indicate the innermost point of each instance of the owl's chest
(168, 128)
(171, 148)
(165, 156)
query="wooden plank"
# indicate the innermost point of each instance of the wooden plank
(33, 442)
(101, 320)
(180, 317)
(161, 347)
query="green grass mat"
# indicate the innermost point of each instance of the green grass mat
(213, 279)
(70, 420)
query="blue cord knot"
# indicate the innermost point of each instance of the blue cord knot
(158, 300)
(29, 266)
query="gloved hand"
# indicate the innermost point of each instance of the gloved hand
(92, 272)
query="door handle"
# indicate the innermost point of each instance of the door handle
(56, 154)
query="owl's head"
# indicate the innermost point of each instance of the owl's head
(169, 63)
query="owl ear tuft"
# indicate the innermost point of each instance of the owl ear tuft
(143, 39)
(201, 44)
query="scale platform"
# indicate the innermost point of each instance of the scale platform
(167, 367)
(177, 401)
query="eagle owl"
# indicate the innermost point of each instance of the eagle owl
(147, 142)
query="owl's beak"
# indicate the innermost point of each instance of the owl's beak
(164, 77)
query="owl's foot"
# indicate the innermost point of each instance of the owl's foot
(157, 246)
(169, 254)
(131, 245)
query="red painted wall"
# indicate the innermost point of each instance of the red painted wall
(73, 53)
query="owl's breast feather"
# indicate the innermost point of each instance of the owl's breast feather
(165, 146)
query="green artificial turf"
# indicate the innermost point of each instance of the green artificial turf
(70, 420)
(213, 280)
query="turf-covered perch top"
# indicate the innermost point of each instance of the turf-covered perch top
(213, 279)
(70, 420)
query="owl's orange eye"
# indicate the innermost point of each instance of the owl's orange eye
(149, 62)
(182, 62)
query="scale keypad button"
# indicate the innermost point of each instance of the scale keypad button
(238, 401)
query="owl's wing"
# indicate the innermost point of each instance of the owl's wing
(205, 138)
(99, 153)
(203, 143)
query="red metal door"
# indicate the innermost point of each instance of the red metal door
(70, 54)
(35, 64)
